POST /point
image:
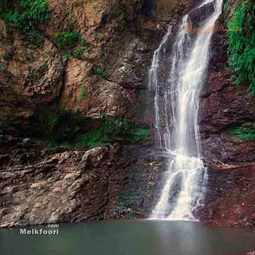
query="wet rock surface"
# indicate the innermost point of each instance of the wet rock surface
(198, 15)
(225, 106)
(142, 185)
(230, 196)
(230, 200)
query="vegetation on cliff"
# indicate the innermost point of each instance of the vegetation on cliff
(40, 77)
(244, 132)
(25, 15)
(71, 43)
(114, 130)
(73, 130)
(241, 37)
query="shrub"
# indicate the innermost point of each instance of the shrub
(78, 52)
(26, 16)
(71, 43)
(66, 40)
(241, 37)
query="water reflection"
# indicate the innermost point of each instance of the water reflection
(130, 238)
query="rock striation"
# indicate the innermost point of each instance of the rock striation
(68, 186)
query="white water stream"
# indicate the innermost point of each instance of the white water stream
(176, 103)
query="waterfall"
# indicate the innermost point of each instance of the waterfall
(176, 104)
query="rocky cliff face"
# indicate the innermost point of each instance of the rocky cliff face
(118, 49)
(108, 75)
(105, 74)
(41, 75)
(29, 76)
(68, 186)
(231, 160)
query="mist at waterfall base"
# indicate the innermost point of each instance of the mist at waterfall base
(176, 78)
(130, 237)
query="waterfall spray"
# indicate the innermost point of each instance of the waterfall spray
(176, 104)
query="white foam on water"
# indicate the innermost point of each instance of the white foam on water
(176, 104)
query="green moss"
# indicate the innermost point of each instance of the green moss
(241, 37)
(26, 16)
(245, 133)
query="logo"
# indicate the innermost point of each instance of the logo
(49, 230)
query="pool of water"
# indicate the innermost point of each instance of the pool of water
(129, 238)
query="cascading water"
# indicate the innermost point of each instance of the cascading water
(176, 103)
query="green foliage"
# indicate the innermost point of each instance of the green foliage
(97, 70)
(93, 138)
(66, 40)
(138, 135)
(241, 37)
(114, 130)
(245, 133)
(71, 43)
(26, 16)
(72, 130)
(78, 52)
